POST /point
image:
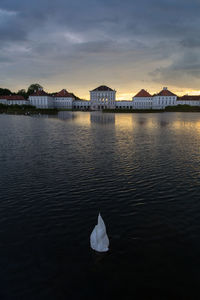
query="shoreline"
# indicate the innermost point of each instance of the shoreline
(30, 110)
(181, 108)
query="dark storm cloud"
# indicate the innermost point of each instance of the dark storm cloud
(157, 39)
(191, 42)
(184, 71)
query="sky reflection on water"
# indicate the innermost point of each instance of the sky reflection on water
(130, 121)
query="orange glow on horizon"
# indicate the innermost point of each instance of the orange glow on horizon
(130, 95)
(122, 93)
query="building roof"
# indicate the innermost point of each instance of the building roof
(142, 94)
(189, 98)
(39, 93)
(102, 88)
(165, 92)
(12, 97)
(64, 93)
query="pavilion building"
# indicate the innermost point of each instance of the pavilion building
(193, 100)
(142, 100)
(64, 99)
(13, 100)
(41, 99)
(164, 98)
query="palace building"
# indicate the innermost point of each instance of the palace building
(144, 100)
(60, 100)
(102, 97)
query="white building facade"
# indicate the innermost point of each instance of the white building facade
(40, 99)
(124, 104)
(60, 100)
(63, 100)
(188, 100)
(163, 99)
(102, 97)
(3, 100)
(142, 100)
(81, 105)
(13, 100)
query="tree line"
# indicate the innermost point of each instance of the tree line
(25, 93)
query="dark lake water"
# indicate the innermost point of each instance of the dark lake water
(141, 171)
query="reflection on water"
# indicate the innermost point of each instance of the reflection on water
(140, 170)
(65, 116)
(98, 117)
(130, 121)
(163, 123)
(142, 121)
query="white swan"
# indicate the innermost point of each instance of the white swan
(98, 239)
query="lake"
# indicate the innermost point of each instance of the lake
(141, 171)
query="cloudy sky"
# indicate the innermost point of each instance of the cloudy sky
(80, 44)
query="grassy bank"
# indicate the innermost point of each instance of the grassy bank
(73, 109)
(32, 110)
(26, 110)
(182, 108)
(133, 110)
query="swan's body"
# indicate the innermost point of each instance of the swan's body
(98, 239)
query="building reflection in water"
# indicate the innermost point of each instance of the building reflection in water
(66, 115)
(163, 123)
(131, 122)
(102, 118)
(124, 121)
(142, 121)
